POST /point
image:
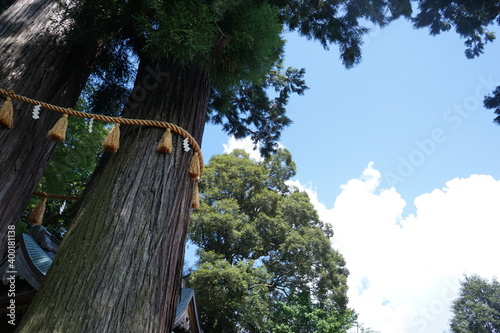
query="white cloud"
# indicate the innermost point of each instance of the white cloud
(405, 271)
(246, 144)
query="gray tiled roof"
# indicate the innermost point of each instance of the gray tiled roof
(186, 295)
(37, 256)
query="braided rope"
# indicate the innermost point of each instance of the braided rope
(119, 120)
(54, 196)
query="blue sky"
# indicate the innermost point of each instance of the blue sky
(408, 84)
(400, 156)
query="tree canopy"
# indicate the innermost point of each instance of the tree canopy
(238, 42)
(477, 309)
(470, 19)
(300, 315)
(263, 251)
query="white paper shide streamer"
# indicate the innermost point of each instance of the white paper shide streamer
(36, 111)
(185, 145)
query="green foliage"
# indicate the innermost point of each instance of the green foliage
(22, 227)
(299, 315)
(230, 296)
(112, 25)
(338, 22)
(477, 309)
(248, 110)
(109, 85)
(493, 102)
(249, 216)
(248, 44)
(180, 30)
(70, 168)
(280, 168)
(73, 161)
(469, 18)
(238, 42)
(360, 328)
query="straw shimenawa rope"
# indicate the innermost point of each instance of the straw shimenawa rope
(116, 120)
(54, 196)
(36, 215)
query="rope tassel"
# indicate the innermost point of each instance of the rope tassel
(36, 214)
(195, 204)
(194, 168)
(112, 142)
(6, 112)
(165, 145)
(58, 132)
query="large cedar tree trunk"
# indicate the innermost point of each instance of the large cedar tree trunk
(36, 60)
(119, 267)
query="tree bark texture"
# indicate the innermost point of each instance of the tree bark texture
(38, 61)
(119, 267)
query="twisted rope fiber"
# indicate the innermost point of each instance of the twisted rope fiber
(54, 196)
(127, 121)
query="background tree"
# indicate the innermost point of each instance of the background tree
(477, 309)
(493, 102)
(68, 172)
(250, 220)
(361, 328)
(472, 20)
(300, 315)
(134, 214)
(230, 296)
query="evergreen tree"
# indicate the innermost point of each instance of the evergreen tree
(300, 315)
(477, 309)
(250, 221)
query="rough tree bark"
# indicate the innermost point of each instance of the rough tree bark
(36, 60)
(119, 267)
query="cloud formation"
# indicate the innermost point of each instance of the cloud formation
(405, 270)
(246, 144)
